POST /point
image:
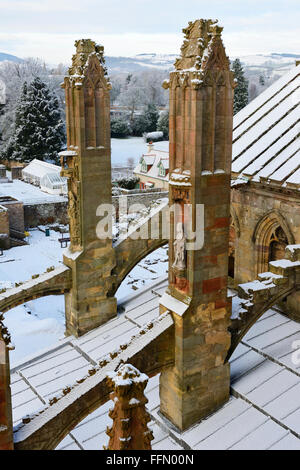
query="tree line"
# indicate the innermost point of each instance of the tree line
(32, 120)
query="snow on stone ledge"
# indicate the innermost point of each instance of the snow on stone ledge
(138, 342)
(284, 263)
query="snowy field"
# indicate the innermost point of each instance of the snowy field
(131, 147)
(40, 323)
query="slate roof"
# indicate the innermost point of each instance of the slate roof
(266, 144)
(266, 134)
(263, 412)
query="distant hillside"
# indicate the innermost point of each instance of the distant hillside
(271, 64)
(139, 63)
(11, 58)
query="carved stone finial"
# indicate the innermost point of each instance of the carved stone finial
(4, 333)
(130, 417)
(6, 427)
(85, 50)
(202, 49)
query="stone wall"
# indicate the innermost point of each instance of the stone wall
(15, 214)
(140, 197)
(4, 228)
(43, 214)
(259, 212)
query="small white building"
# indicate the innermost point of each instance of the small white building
(46, 176)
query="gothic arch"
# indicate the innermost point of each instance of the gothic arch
(240, 327)
(262, 237)
(128, 254)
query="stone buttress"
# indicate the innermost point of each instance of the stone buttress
(87, 165)
(201, 99)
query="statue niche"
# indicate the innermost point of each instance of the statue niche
(179, 248)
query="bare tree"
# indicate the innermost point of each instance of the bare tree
(130, 163)
(132, 96)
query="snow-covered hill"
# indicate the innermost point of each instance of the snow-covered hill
(268, 63)
(11, 58)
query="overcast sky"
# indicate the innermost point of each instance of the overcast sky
(48, 28)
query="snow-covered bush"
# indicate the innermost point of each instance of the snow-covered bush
(128, 183)
(119, 127)
(153, 136)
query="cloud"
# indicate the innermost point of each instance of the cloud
(44, 6)
(48, 28)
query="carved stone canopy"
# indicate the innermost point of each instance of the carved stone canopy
(202, 59)
(88, 60)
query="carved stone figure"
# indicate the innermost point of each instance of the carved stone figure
(179, 248)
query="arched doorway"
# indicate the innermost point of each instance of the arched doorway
(271, 235)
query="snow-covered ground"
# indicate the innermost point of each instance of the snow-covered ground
(131, 147)
(40, 323)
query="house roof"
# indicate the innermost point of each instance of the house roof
(263, 411)
(154, 158)
(266, 134)
(165, 163)
(148, 159)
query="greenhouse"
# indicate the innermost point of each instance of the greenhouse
(46, 176)
(53, 183)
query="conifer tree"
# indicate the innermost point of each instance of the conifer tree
(119, 127)
(39, 129)
(163, 124)
(147, 121)
(241, 90)
(151, 115)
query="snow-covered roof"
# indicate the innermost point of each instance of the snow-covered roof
(38, 168)
(154, 158)
(148, 159)
(28, 194)
(266, 134)
(262, 413)
(165, 163)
